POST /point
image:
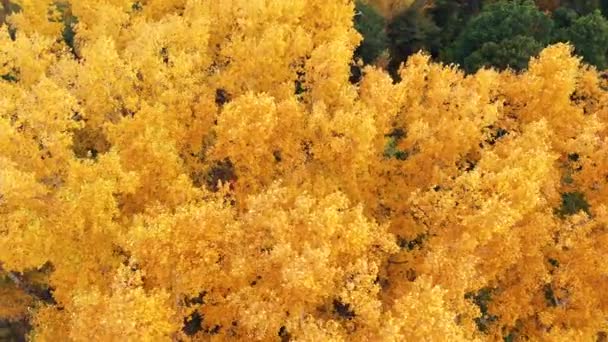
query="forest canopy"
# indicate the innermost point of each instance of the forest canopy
(482, 33)
(193, 170)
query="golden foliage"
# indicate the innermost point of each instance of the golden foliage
(196, 169)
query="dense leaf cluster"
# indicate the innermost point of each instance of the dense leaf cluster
(195, 170)
(500, 34)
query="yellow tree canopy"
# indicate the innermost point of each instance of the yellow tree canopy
(206, 170)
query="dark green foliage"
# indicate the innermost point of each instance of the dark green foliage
(410, 32)
(68, 32)
(511, 53)
(589, 35)
(572, 203)
(504, 34)
(563, 18)
(582, 6)
(12, 76)
(451, 17)
(391, 150)
(69, 24)
(428, 28)
(371, 25)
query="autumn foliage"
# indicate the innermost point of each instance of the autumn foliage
(209, 170)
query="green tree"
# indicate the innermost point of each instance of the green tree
(583, 6)
(451, 16)
(412, 31)
(563, 18)
(510, 53)
(504, 34)
(589, 35)
(371, 25)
